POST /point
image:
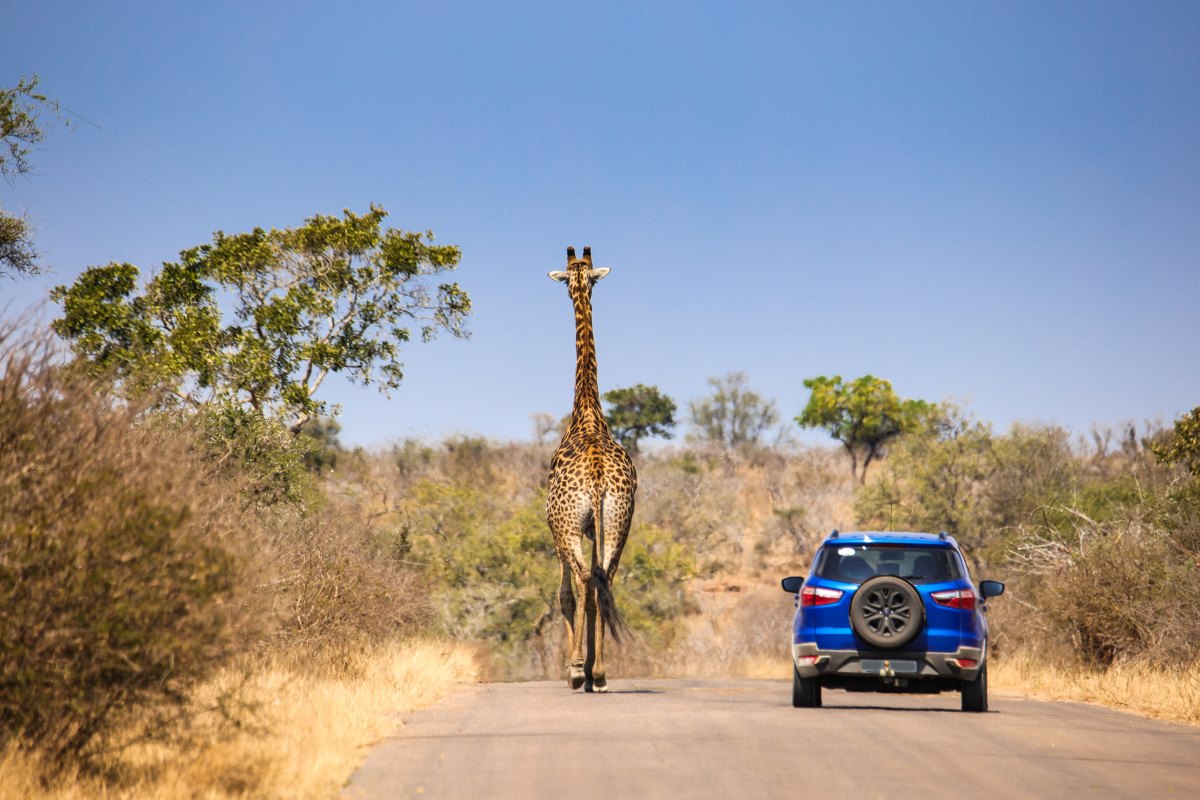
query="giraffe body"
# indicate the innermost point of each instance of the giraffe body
(590, 497)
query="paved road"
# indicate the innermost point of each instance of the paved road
(690, 740)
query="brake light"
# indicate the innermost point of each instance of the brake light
(966, 663)
(955, 598)
(818, 596)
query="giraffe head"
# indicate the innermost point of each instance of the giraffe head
(579, 273)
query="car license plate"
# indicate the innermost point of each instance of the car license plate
(888, 667)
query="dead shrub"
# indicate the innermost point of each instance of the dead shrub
(125, 566)
(336, 591)
(1117, 591)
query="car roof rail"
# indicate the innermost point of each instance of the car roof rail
(834, 534)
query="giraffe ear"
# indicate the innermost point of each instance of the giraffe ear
(559, 275)
(597, 274)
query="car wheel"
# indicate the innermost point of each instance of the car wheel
(887, 612)
(806, 692)
(974, 694)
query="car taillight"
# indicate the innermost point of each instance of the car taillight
(955, 598)
(818, 596)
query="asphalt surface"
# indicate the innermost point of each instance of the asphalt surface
(693, 739)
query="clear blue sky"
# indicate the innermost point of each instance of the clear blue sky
(997, 202)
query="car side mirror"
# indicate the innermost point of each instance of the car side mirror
(990, 589)
(793, 584)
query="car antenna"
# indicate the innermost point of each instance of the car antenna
(942, 535)
(834, 534)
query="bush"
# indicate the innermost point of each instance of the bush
(336, 590)
(1117, 591)
(124, 559)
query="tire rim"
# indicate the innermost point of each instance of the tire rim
(887, 611)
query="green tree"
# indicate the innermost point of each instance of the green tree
(1182, 445)
(322, 448)
(732, 416)
(863, 415)
(637, 412)
(20, 130)
(335, 295)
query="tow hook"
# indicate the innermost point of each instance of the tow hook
(888, 675)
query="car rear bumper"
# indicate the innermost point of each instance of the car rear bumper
(887, 668)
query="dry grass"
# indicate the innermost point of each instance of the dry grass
(1168, 694)
(304, 741)
(763, 667)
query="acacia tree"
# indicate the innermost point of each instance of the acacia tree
(637, 412)
(335, 295)
(20, 130)
(863, 415)
(733, 415)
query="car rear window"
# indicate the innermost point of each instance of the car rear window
(856, 563)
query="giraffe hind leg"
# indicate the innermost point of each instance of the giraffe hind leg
(577, 669)
(566, 603)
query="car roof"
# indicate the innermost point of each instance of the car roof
(890, 537)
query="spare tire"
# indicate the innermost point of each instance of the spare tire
(887, 612)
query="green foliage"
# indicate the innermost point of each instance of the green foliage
(637, 412)
(20, 129)
(1179, 507)
(1182, 445)
(495, 568)
(331, 296)
(268, 460)
(863, 415)
(954, 474)
(651, 586)
(733, 416)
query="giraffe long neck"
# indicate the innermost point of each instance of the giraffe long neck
(586, 409)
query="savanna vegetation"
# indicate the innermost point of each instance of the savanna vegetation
(180, 593)
(205, 594)
(189, 557)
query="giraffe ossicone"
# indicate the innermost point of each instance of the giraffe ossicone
(590, 497)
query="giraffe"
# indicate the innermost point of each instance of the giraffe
(590, 496)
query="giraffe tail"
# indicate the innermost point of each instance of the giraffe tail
(606, 604)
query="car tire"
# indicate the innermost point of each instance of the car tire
(806, 692)
(887, 612)
(975, 693)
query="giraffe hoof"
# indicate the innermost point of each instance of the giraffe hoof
(575, 677)
(588, 686)
(601, 685)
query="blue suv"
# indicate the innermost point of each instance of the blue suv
(890, 612)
